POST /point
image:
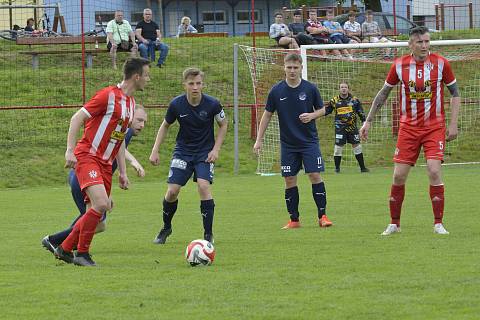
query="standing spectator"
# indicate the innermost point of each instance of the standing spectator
(297, 26)
(29, 26)
(279, 31)
(120, 37)
(337, 35)
(150, 39)
(196, 149)
(352, 28)
(347, 108)
(422, 76)
(371, 32)
(185, 27)
(297, 103)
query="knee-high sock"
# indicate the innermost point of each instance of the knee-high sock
(320, 196)
(438, 202)
(207, 209)
(291, 200)
(169, 209)
(337, 160)
(397, 193)
(88, 225)
(360, 160)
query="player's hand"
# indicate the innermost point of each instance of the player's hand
(70, 159)
(154, 158)
(257, 147)
(138, 167)
(364, 131)
(306, 117)
(452, 133)
(123, 181)
(212, 156)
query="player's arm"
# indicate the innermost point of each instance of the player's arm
(266, 117)
(311, 116)
(122, 167)
(76, 123)
(161, 135)
(138, 33)
(377, 103)
(452, 131)
(134, 163)
(222, 132)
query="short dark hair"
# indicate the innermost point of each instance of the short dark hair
(418, 31)
(295, 57)
(30, 19)
(369, 12)
(134, 66)
(352, 14)
(278, 14)
(297, 13)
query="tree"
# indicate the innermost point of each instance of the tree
(299, 3)
(374, 5)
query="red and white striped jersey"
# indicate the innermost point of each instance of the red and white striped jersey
(421, 97)
(110, 113)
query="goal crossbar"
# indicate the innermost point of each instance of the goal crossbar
(378, 45)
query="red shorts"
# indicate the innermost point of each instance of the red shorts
(90, 171)
(412, 139)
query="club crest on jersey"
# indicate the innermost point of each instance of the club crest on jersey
(429, 66)
(93, 174)
(302, 96)
(203, 114)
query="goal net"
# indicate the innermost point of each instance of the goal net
(364, 67)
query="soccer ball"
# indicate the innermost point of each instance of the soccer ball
(200, 252)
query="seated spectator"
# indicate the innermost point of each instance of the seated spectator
(150, 39)
(120, 37)
(371, 31)
(297, 26)
(319, 33)
(352, 28)
(337, 35)
(29, 26)
(185, 27)
(279, 31)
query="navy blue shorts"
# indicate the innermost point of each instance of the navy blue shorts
(184, 165)
(292, 159)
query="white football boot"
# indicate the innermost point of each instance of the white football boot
(391, 228)
(439, 229)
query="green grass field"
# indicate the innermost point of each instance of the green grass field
(261, 272)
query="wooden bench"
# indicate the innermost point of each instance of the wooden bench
(89, 53)
(257, 34)
(205, 35)
(34, 41)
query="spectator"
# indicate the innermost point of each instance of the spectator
(337, 35)
(150, 39)
(371, 31)
(352, 28)
(29, 26)
(185, 27)
(319, 33)
(120, 37)
(297, 26)
(279, 31)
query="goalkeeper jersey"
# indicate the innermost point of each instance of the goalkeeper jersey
(346, 112)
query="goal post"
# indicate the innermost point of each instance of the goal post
(365, 72)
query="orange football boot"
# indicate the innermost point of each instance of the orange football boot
(324, 222)
(292, 225)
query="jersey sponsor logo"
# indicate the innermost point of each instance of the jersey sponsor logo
(344, 110)
(302, 96)
(338, 136)
(118, 135)
(179, 164)
(93, 174)
(420, 95)
(284, 98)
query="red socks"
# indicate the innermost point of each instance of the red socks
(438, 202)
(397, 194)
(83, 231)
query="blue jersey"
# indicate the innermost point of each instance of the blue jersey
(290, 103)
(196, 133)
